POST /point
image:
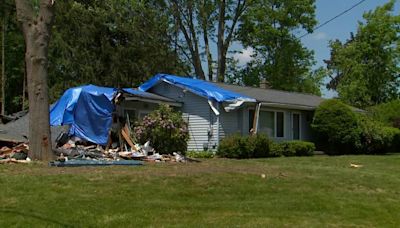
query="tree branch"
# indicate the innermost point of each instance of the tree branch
(46, 11)
(240, 8)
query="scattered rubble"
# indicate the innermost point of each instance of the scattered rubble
(124, 149)
(18, 153)
(73, 151)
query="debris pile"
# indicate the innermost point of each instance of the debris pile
(18, 153)
(124, 148)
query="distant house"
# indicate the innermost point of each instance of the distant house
(215, 110)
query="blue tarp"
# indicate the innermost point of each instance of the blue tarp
(88, 110)
(76, 163)
(202, 88)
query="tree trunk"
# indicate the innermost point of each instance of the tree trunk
(37, 32)
(208, 53)
(220, 42)
(3, 67)
(24, 89)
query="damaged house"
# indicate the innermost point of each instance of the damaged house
(212, 110)
(215, 110)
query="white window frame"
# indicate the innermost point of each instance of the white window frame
(297, 113)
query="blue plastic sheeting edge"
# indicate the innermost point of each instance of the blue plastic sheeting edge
(88, 110)
(77, 163)
(199, 87)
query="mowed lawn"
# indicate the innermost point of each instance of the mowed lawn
(302, 192)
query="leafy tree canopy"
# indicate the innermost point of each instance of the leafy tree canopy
(365, 69)
(279, 57)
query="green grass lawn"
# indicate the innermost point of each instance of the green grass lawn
(306, 192)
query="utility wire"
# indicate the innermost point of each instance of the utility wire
(333, 18)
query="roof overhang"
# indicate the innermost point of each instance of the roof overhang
(154, 101)
(289, 106)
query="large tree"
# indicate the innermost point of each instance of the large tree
(269, 28)
(110, 43)
(202, 22)
(36, 20)
(365, 69)
(13, 54)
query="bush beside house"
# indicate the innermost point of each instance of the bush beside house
(387, 113)
(342, 131)
(336, 128)
(260, 146)
(165, 129)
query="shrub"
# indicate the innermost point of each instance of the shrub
(388, 113)
(259, 145)
(165, 129)
(200, 154)
(376, 138)
(234, 146)
(337, 127)
(277, 149)
(298, 148)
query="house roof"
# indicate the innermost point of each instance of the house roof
(17, 130)
(199, 87)
(277, 98)
(134, 94)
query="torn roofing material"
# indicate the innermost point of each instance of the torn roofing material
(17, 131)
(88, 110)
(202, 88)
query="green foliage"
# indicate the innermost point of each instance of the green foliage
(344, 132)
(165, 129)
(200, 154)
(365, 69)
(279, 57)
(259, 146)
(376, 138)
(298, 148)
(114, 43)
(234, 146)
(108, 43)
(277, 149)
(14, 58)
(337, 127)
(388, 113)
(292, 148)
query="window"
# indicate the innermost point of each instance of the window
(296, 126)
(131, 113)
(279, 124)
(266, 123)
(251, 119)
(142, 114)
(272, 123)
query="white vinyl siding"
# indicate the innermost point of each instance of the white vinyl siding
(196, 111)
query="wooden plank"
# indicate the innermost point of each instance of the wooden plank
(127, 138)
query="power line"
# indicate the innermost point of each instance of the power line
(333, 18)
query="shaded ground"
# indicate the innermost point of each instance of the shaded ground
(309, 191)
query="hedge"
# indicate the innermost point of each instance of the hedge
(342, 131)
(259, 146)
